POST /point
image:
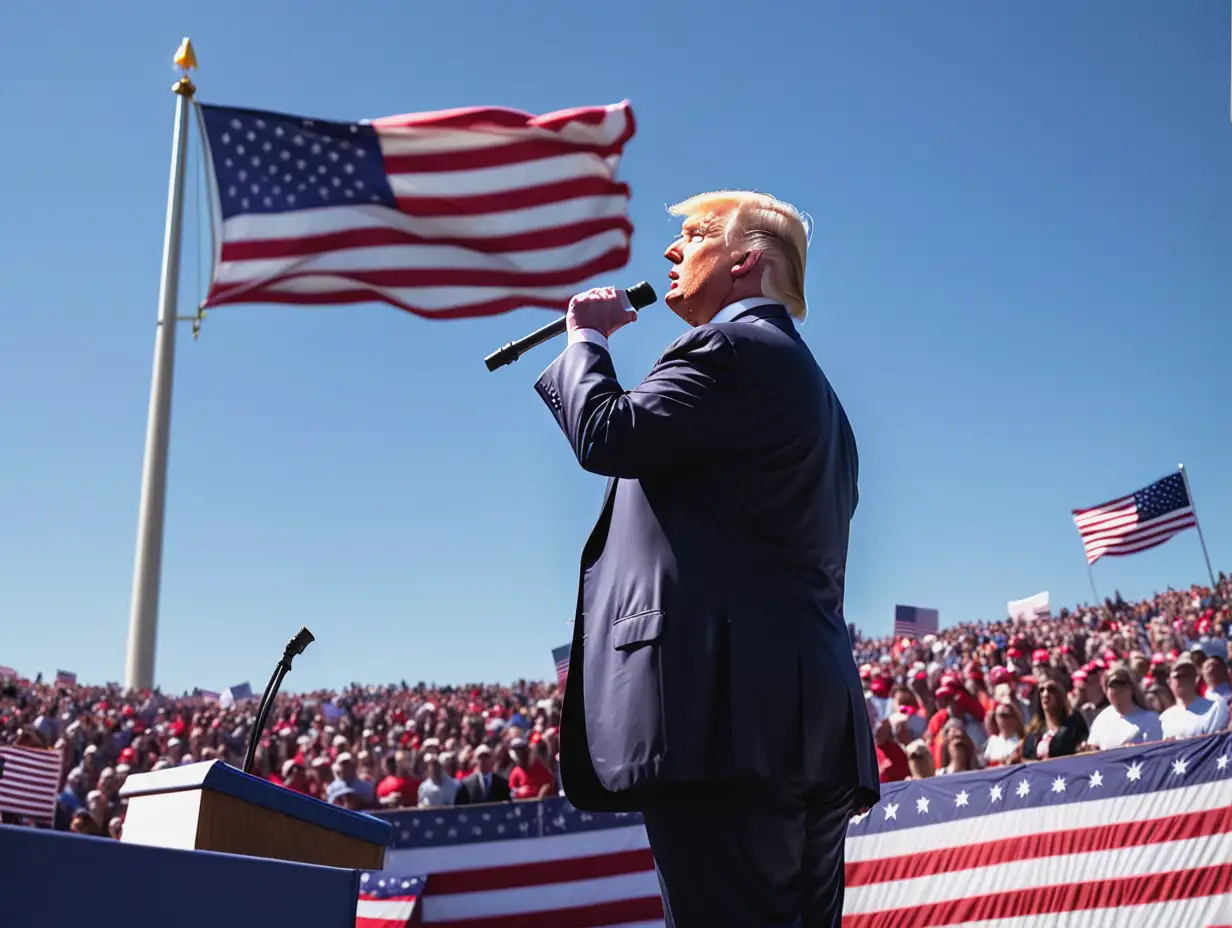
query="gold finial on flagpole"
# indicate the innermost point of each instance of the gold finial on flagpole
(186, 60)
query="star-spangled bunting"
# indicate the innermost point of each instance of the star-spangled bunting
(1138, 836)
(456, 213)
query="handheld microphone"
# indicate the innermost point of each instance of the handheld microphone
(294, 648)
(640, 295)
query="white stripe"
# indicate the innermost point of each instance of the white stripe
(1154, 528)
(385, 908)
(540, 898)
(1137, 527)
(1036, 873)
(517, 851)
(503, 178)
(435, 257)
(429, 299)
(1116, 509)
(1019, 822)
(408, 140)
(1200, 912)
(326, 219)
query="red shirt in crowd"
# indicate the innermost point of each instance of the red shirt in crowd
(407, 789)
(526, 784)
(892, 762)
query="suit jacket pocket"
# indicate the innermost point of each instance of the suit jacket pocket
(632, 631)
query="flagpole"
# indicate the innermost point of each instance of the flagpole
(1094, 592)
(147, 567)
(1197, 524)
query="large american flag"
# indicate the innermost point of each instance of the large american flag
(454, 213)
(914, 621)
(29, 782)
(1136, 522)
(1134, 838)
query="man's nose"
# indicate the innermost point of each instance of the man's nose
(673, 253)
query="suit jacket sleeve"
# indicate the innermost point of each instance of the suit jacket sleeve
(675, 416)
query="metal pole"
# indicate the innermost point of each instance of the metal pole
(1099, 603)
(1198, 525)
(147, 569)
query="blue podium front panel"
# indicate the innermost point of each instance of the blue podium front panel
(55, 878)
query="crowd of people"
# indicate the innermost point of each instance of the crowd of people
(1097, 677)
(967, 697)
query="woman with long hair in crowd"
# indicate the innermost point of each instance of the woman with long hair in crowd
(1008, 743)
(1057, 728)
(1127, 719)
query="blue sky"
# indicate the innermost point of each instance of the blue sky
(1019, 285)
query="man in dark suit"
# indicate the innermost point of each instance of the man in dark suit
(483, 785)
(712, 683)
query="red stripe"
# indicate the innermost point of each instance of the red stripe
(586, 916)
(441, 277)
(510, 200)
(341, 297)
(1034, 847)
(495, 156)
(541, 873)
(559, 237)
(475, 117)
(1067, 897)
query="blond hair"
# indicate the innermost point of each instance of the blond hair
(773, 226)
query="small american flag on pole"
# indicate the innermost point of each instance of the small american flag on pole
(466, 212)
(66, 678)
(561, 657)
(29, 782)
(914, 622)
(1136, 522)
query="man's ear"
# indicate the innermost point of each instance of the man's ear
(748, 263)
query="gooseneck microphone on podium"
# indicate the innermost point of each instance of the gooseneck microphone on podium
(294, 648)
(640, 296)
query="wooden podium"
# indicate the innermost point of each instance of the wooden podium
(212, 806)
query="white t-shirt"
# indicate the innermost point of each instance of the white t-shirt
(999, 748)
(434, 795)
(1202, 717)
(1110, 729)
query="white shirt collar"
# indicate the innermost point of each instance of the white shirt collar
(732, 310)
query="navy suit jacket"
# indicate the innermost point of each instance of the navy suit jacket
(709, 639)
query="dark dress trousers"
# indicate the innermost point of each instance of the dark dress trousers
(712, 684)
(471, 790)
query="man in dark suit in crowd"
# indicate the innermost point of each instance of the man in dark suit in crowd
(712, 682)
(483, 785)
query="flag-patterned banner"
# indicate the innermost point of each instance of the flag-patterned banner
(1134, 838)
(387, 901)
(455, 213)
(66, 678)
(561, 657)
(1136, 522)
(915, 622)
(8, 673)
(29, 782)
(522, 863)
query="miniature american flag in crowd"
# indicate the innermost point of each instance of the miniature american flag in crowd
(66, 678)
(387, 901)
(29, 782)
(1133, 838)
(515, 864)
(456, 213)
(1136, 522)
(561, 657)
(915, 622)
